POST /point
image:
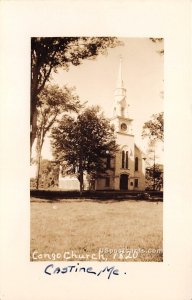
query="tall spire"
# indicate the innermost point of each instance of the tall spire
(120, 103)
(119, 79)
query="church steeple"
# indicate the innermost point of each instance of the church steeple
(120, 79)
(120, 103)
(121, 119)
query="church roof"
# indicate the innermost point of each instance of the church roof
(143, 153)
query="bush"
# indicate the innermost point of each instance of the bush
(48, 176)
(144, 196)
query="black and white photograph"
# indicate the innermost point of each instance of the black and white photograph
(97, 149)
(95, 156)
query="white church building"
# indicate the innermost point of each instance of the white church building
(125, 171)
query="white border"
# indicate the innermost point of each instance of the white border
(19, 21)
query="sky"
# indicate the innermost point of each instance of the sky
(142, 72)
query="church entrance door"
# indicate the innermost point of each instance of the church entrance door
(124, 182)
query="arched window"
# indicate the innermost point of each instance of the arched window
(136, 164)
(126, 160)
(123, 159)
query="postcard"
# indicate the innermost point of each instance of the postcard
(96, 150)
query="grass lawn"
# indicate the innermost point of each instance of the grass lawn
(126, 230)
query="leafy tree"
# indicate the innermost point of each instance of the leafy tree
(53, 101)
(154, 128)
(48, 54)
(83, 143)
(48, 175)
(154, 177)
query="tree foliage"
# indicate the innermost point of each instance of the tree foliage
(154, 128)
(48, 54)
(48, 175)
(53, 102)
(154, 177)
(83, 143)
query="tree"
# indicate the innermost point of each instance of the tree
(154, 129)
(154, 170)
(48, 54)
(53, 102)
(48, 175)
(83, 143)
(154, 177)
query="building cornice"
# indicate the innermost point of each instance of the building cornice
(124, 133)
(121, 118)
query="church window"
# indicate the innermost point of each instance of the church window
(123, 159)
(126, 160)
(136, 183)
(107, 181)
(136, 164)
(123, 126)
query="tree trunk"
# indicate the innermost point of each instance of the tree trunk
(38, 169)
(81, 183)
(81, 177)
(39, 150)
(33, 129)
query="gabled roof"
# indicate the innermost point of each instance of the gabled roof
(143, 153)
